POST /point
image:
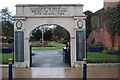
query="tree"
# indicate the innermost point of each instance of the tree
(7, 24)
(8, 31)
(57, 32)
(6, 14)
(61, 33)
(88, 13)
(88, 22)
(47, 35)
(37, 35)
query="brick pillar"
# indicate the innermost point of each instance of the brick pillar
(107, 38)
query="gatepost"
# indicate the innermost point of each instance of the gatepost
(81, 46)
(80, 41)
(19, 44)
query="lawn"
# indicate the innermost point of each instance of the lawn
(93, 57)
(102, 57)
(5, 56)
(56, 46)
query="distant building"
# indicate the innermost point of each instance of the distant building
(100, 33)
(110, 3)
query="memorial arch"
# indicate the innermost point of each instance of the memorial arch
(28, 17)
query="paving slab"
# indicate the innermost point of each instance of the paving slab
(66, 72)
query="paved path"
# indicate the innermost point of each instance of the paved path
(98, 73)
(48, 58)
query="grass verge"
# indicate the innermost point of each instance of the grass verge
(102, 57)
(57, 46)
(5, 56)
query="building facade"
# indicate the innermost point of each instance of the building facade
(100, 32)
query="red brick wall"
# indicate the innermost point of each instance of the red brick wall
(117, 42)
(89, 39)
(97, 35)
(110, 4)
(105, 37)
(107, 32)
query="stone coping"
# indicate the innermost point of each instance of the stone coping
(32, 5)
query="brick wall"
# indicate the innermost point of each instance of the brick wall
(97, 35)
(105, 37)
(109, 5)
(107, 32)
(108, 38)
(117, 42)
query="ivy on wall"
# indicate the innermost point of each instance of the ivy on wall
(113, 19)
(94, 20)
(88, 22)
(97, 19)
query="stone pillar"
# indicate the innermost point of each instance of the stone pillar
(27, 52)
(80, 50)
(73, 51)
(19, 42)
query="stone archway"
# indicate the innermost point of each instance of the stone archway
(69, 16)
(46, 57)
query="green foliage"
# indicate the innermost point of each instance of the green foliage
(8, 29)
(61, 33)
(54, 33)
(97, 19)
(96, 45)
(33, 54)
(47, 35)
(57, 32)
(88, 22)
(7, 24)
(113, 19)
(37, 35)
(6, 14)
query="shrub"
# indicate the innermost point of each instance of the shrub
(115, 52)
(96, 45)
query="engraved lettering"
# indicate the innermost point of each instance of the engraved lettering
(49, 10)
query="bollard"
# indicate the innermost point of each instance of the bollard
(10, 62)
(84, 69)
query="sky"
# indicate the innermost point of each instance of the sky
(92, 5)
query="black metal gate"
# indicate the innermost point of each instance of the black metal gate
(30, 56)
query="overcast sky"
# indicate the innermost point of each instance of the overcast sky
(92, 5)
